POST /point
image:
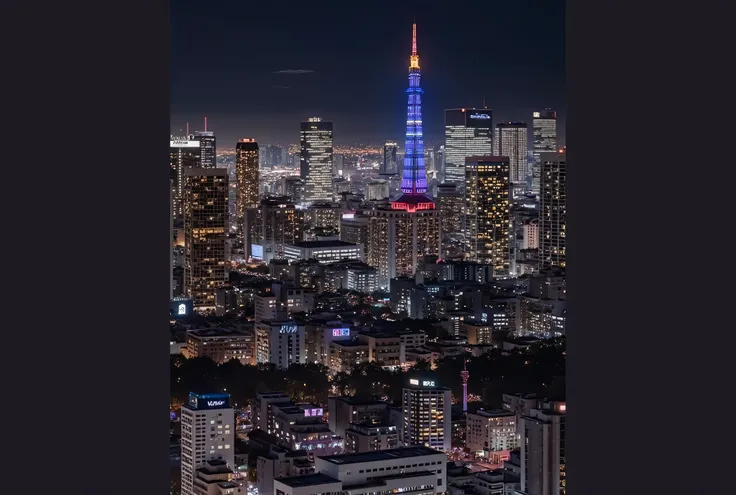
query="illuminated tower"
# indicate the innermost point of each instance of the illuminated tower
(465, 375)
(414, 178)
(402, 234)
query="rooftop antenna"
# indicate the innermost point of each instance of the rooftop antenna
(205, 124)
(484, 102)
(187, 128)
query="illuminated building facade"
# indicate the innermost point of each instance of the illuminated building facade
(512, 141)
(213, 413)
(390, 163)
(487, 205)
(205, 234)
(544, 125)
(184, 152)
(401, 235)
(451, 205)
(246, 177)
(267, 229)
(207, 146)
(468, 132)
(316, 159)
(427, 415)
(552, 210)
(280, 342)
(399, 238)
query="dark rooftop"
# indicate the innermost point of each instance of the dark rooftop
(310, 479)
(381, 481)
(323, 244)
(380, 455)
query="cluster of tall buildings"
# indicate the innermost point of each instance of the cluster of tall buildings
(447, 231)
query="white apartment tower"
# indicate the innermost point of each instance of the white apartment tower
(207, 434)
(316, 159)
(427, 415)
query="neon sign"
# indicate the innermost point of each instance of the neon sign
(215, 403)
(427, 383)
(481, 116)
(182, 309)
(288, 329)
(340, 332)
(413, 382)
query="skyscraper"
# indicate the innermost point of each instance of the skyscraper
(276, 222)
(246, 178)
(468, 132)
(552, 210)
(543, 454)
(451, 204)
(390, 164)
(487, 204)
(205, 234)
(207, 434)
(208, 146)
(185, 152)
(512, 141)
(400, 235)
(427, 415)
(316, 159)
(545, 140)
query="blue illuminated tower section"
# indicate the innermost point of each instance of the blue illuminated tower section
(414, 178)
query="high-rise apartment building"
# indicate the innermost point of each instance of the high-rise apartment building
(205, 234)
(487, 219)
(545, 140)
(468, 132)
(185, 152)
(399, 238)
(543, 456)
(427, 415)
(552, 210)
(208, 147)
(246, 178)
(207, 434)
(390, 163)
(451, 204)
(512, 141)
(316, 159)
(275, 223)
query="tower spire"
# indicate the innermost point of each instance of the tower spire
(414, 39)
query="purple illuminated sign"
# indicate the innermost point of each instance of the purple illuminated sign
(313, 413)
(340, 332)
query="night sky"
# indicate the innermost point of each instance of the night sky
(257, 69)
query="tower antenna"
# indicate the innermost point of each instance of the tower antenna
(187, 128)
(205, 124)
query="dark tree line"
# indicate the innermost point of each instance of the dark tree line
(541, 370)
